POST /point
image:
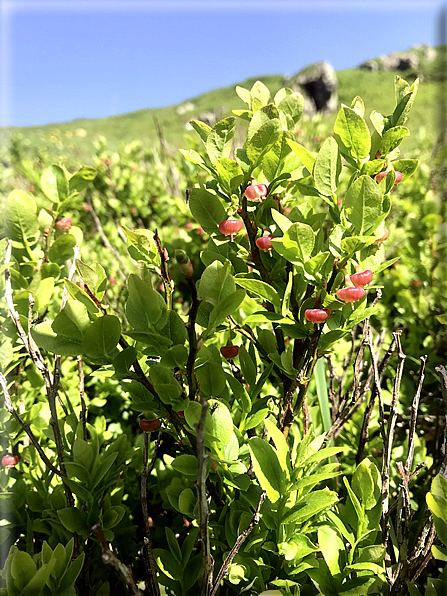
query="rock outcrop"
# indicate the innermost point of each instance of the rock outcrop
(318, 83)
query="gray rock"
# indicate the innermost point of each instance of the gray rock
(318, 83)
(370, 65)
(211, 117)
(400, 61)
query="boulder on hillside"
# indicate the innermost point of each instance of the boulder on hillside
(318, 83)
(212, 116)
(400, 61)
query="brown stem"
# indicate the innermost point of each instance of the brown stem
(237, 545)
(164, 258)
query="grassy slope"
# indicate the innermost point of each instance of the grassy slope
(376, 89)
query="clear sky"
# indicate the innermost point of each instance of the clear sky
(68, 59)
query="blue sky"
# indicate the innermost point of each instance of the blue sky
(71, 59)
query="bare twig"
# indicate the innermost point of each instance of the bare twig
(10, 407)
(82, 394)
(207, 563)
(123, 270)
(237, 545)
(414, 413)
(164, 258)
(149, 560)
(109, 558)
(192, 337)
(443, 373)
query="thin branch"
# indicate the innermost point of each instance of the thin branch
(237, 545)
(164, 258)
(11, 409)
(192, 336)
(149, 560)
(124, 272)
(443, 373)
(109, 558)
(207, 564)
(414, 413)
(82, 394)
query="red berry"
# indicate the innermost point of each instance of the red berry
(86, 207)
(64, 224)
(361, 279)
(46, 231)
(265, 243)
(181, 414)
(317, 315)
(415, 283)
(230, 227)
(256, 192)
(229, 352)
(350, 294)
(382, 238)
(149, 425)
(9, 461)
(112, 280)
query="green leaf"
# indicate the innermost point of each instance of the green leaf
(352, 131)
(165, 383)
(404, 98)
(54, 184)
(230, 174)
(355, 503)
(81, 179)
(211, 378)
(72, 321)
(225, 307)
(263, 140)
(20, 216)
(81, 296)
(333, 549)
(22, 569)
(62, 249)
(46, 339)
(358, 105)
(307, 158)
(292, 104)
(73, 519)
(392, 139)
(273, 160)
(267, 468)
(220, 139)
(260, 288)
(207, 210)
(102, 337)
(218, 424)
(366, 484)
(327, 167)
(312, 504)
(71, 575)
(406, 167)
(299, 239)
(362, 204)
(244, 94)
(185, 464)
(322, 393)
(144, 306)
(141, 246)
(259, 96)
(201, 128)
(282, 449)
(263, 115)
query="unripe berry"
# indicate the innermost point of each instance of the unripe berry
(149, 425)
(9, 461)
(362, 278)
(256, 192)
(350, 294)
(265, 243)
(64, 224)
(317, 315)
(184, 262)
(230, 227)
(229, 352)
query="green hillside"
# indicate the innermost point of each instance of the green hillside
(77, 138)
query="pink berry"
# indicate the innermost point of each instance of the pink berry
(350, 294)
(112, 280)
(265, 243)
(64, 224)
(398, 178)
(188, 225)
(256, 192)
(46, 231)
(317, 315)
(362, 278)
(230, 227)
(229, 352)
(9, 461)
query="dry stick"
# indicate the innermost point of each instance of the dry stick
(443, 373)
(192, 336)
(106, 241)
(333, 395)
(10, 407)
(149, 560)
(400, 575)
(207, 565)
(82, 394)
(237, 545)
(109, 558)
(164, 258)
(364, 433)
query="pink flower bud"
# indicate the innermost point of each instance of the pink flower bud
(350, 294)
(382, 175)
(64, 224)
(361, 279)
(317, 315)
(256, 192)
(230, 227)
(265, 243)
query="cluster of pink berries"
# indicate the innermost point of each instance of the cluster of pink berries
(64, 224)
(356, 291)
